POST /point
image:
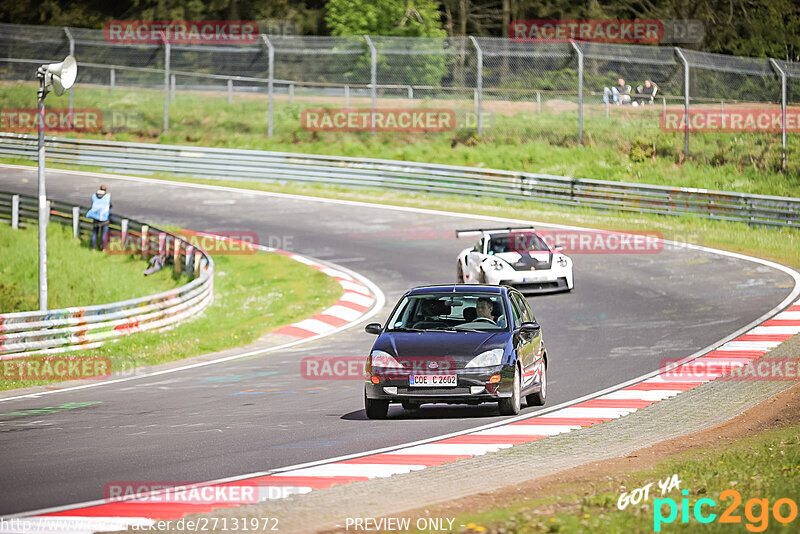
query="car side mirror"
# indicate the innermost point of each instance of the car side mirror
(529, 328)
(558, 249)
(373, 328)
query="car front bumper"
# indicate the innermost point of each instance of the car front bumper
(473, 387)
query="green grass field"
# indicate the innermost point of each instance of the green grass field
(628, 146)
(253, 294)
(77, 276)
(762, 466)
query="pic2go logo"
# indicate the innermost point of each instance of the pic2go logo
(756, 511)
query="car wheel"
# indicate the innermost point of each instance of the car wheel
(460, 274)
(376, 408)
(540, 397)
(411, 406)
(511, 405)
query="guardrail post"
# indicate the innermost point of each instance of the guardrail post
(166, 83)
(112, 81)
(373, 78)
(291, 93)
(196, 259)
(76, 222)
(783, 112)
(271, 82)
(478, 84)
(15, 212)
(580, 90)
(162, 244)
(176, 256)
(686, 98)
(123, 231)
(347, 96)
(145, 244)
(187, 264)
(72, 53)
(230, 90)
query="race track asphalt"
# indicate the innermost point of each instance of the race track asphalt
(627, 313)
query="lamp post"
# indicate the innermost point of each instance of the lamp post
(56, 77)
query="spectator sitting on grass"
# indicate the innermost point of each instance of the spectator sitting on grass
(647, 93)
(620, 93)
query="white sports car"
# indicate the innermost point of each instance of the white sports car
(518, 257)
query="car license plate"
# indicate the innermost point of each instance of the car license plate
(432, 380)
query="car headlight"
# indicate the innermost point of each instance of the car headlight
(490, 358)
(384, 359)
(497, 265)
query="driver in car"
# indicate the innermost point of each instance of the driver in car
(484, 308)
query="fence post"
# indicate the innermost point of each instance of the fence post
(478, 83)
(188, 260)
(72, 53)
(686, 98)
(230, 90)
(373, 77)
(580, 91)
(15, 212)
(112, 81)
(538, 102)
(123, 231)
(162, 244)
(783, 112)
(176, 256)
(76, 222)
(347, 96)
(410, 96)
(166, 82)
(271, 82)
(172, 87)
(145, 241)
(291, 93)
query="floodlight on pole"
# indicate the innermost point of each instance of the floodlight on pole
(55, 77)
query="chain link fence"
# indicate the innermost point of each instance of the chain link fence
(503, 90)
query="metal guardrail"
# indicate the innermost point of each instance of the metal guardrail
(44, 332)
(234, 164)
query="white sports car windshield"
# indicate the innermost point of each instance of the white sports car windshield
(517, 242)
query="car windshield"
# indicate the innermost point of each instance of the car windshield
(450, 311)
(516, 242)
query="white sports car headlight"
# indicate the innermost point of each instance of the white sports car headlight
(490, 358)
(384, 359)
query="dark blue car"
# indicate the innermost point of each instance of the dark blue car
(457, 344)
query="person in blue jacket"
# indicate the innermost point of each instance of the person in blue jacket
(100, 213)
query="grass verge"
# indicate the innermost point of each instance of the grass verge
(77, 276)
(764, 466)
(628, 146)
(253, 294)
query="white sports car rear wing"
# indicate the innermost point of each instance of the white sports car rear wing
(482, 231)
